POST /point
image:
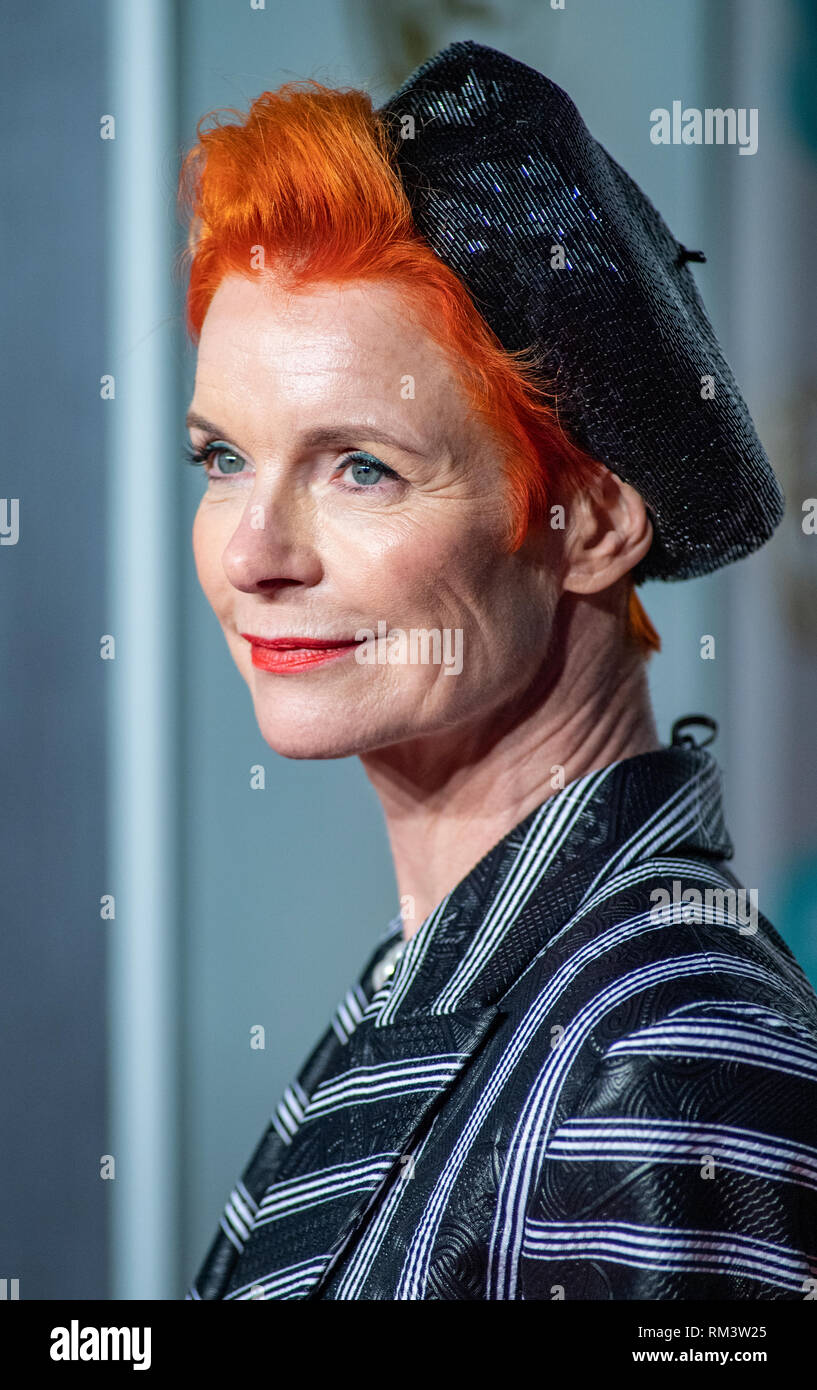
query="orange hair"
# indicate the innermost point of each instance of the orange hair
(306, 180)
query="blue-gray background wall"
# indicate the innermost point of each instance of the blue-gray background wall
(52, 850)
(275, 896)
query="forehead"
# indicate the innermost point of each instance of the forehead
(353, 344)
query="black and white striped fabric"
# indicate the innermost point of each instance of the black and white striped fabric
(572, 1085)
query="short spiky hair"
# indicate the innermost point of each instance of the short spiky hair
(308, 175)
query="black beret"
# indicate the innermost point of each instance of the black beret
(500, 169)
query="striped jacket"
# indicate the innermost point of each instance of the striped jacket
(591, 1074)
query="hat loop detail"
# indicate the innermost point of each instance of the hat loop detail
(681, 740)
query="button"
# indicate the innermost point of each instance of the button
(387, 965)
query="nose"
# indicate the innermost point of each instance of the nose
(272, 546)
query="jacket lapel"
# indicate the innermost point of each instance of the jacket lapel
(355, 1140)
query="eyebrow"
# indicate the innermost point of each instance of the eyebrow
(325, 435)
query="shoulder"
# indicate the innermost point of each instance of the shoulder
(665, 1123)
(669, 934)
(645, 1011)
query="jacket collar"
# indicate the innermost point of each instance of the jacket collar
(444, 1000)
(470, 950)
(375, 1094)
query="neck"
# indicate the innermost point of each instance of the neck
(449, 797)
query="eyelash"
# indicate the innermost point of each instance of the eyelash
(205, 452)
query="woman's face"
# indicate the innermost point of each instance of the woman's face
(353, 491)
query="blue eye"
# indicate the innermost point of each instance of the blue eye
(228, 460)
(366, 471)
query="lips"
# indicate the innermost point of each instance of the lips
(290, 654)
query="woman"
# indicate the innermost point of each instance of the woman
(451, 403)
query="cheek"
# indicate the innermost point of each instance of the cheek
(469, 578)
(384, 567)
(504, 608)
(456, 577)
(209, 542)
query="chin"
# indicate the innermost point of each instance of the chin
(305, 745)
(295, 729)
(305, 733)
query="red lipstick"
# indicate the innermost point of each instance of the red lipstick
(285, 654)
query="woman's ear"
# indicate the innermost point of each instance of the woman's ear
(608, 532)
